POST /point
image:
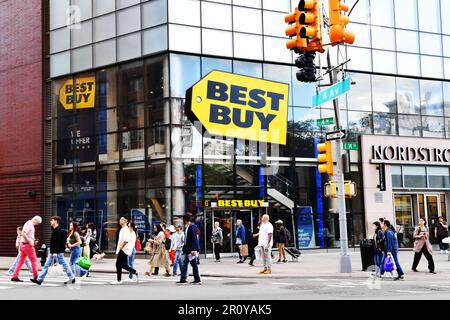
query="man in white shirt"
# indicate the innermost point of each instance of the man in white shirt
(265, 241)
(177, 246)
(124, 250)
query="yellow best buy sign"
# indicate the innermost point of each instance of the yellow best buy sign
(232, 105)
(81, 93)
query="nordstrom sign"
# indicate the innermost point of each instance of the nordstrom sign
(400, 154)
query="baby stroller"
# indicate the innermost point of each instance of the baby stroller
(294, 253)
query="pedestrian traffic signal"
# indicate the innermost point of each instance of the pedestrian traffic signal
(297, 44)
(325, 158)
(338, 21)
(305, 62)
(310, 21)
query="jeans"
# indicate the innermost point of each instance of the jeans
(427, 255)
(27, 251)
(378, 257)
(75, 253)
(13, 267)
(50, 260)
(397, 264)
(184, 268)
(177, 261)
(122, 263)
(131, 262)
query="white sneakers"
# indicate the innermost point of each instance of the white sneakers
(442, 251)
(116, 282)
(446, 251)
(8, 273)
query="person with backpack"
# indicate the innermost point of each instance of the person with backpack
(160, 256)
(281, 239)
(422, 245)
(391, 250)
(378, 244)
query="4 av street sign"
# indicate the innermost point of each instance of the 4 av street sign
(325, 121)
(335, 135)
(331, 93)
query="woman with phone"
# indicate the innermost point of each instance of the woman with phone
(422, 245)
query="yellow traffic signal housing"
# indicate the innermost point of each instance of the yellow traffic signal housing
(338, 22)
(294, 31)
(330, 189)
(310, 19)
(325, 158)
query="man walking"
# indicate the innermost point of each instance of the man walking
(177, 246)
(191, 249)
(123, 251)
(265, 242)
(441, 232)
(391, 249)
(57, 248)
(27, 248)
(240, 239)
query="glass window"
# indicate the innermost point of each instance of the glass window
(382, 13)
(157, 84)
(189, 68)
(104, 53)
(433, 127)
(103, 6)
(447, 127)
(431, 97)
(305, 119)
(430, 44)
(185, 12)
(247, 20)
(106, 95)
(82, 58)
(216, 42)
(359, 97)
(83, 35)
(361, 59)
(128, 20)
(125, 3)
(248, 3)
(158, 141)
(429, 16)
(58, 13)
(254, 69)
(408, 64)
(85, 8)
(408, 98)
(155, 40)
(383, 92)
(415, 177)
(276, 5)
(248, 46)
(407, 41)
(438, 177)
(447, 68)
(409, 125)
(183, 38)
(360, 12)
(275, 50)
(383, 38)
(447, 98)
(445, 9)
(302, 92)
(363, 32)
(104, 27)
(210, 64)
(384, 61)
(360, 122)
(59, 40)
(216, 15)
(154, 13)
(432, 67)
(396, 173)
(129, 46)
(59, 64)
(384, 123)
(133, 145)
(278, 73)
(446, 45)
(406, 14)
(274, 24)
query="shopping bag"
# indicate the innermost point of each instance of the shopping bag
(84, 262)
(172, 256)
(389, 264)
(55, 270)
(138, 245)
(258, 252)
(243, 250)
(446, 240)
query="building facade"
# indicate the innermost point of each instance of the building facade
(117, 141)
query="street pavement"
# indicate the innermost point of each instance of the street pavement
(315, 276)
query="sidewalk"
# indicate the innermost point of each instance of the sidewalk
(312, 263)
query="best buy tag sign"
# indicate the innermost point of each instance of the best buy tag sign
(81, 94)
(232, 105)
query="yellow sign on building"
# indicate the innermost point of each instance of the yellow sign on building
(236, 203)
(80, 95)
(232, 105)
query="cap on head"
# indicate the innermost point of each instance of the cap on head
(171, 228)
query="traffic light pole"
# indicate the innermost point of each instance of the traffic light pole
(345, 265)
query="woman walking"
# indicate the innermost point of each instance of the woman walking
(133, 233)
(217, 240)
(160, 256)
(422, 245)
(74, 244)
(281, 239)
(378, 244)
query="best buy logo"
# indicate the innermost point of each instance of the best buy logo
(79, 95)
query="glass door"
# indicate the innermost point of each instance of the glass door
(224, 218)
(432, 211)
(404, 219)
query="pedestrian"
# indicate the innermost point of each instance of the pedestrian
(27, 249)
(92, 233)
(281, 239)
(191, 250)
(74, 243)
(252, 244)
(217, 240)
(27, 261)
(391, 249)
(265, 242)
(57, 249)
(240, 239)
(378, 244)
(171, 252)
(160, 256)
(85, 239)
(131, 258)
(177, 246)
(124, 250)
(422, 245)
(441, 232)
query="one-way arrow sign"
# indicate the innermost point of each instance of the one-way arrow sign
(335, 135)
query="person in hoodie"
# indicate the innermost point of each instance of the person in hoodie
(391, 249)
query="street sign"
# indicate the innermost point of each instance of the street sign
(351, 146)
(331, 93)
(325, 121)
(335, 135)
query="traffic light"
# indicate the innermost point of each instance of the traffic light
(338, 22)
(305, 62)
(297, 44)
(325, 158)
(310, 21)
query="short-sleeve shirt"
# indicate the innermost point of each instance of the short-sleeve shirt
(124, 235)
(264, 230)
(28, 229)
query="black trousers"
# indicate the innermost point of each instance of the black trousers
(217, 248)
(427, 255)
(122, 263)
(442, 246)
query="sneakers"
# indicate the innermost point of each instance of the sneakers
(442, 251)
(181, 282)
(36, 281)
(137, 276)
(116, 282)
(446, 251)
(262, 271)
(70, 281)
(268, 271)
(174, 274)
(16, 280)
(196, 282)
(216, 260)
(8, 273)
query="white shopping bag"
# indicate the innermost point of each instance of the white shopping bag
(258, 252)
(446, 240)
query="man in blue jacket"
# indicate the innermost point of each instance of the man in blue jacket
(391, 248)
(191, 250)
(240, 239)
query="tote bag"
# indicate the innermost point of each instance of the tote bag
(389, 264)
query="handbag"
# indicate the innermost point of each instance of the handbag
(138, 245)
(389, 264)
(446, 240)
(84, 262)
(238, 241)
(258, 252)
(243, 250)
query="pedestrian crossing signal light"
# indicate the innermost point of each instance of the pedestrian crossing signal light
(338, 22)
(297, 43)
(325, 158)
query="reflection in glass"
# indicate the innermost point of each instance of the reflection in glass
(360, 122)
(251, 69)
(359, 97)
(433, 127)
(438, 177)
(217, 42)
(383, 91)
(189, 67)
(406, 14)
(384, 123)
(429, 16)
(432, 67)
(414, 177)
(431, 97)
(383, 38)
(409, 125)
(210, 64)
(408, 98)
(396, 173)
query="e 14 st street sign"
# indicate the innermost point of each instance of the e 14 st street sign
(331, 93)
(335, 135)
(351, 146)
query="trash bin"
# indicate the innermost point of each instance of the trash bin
(367, 256)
